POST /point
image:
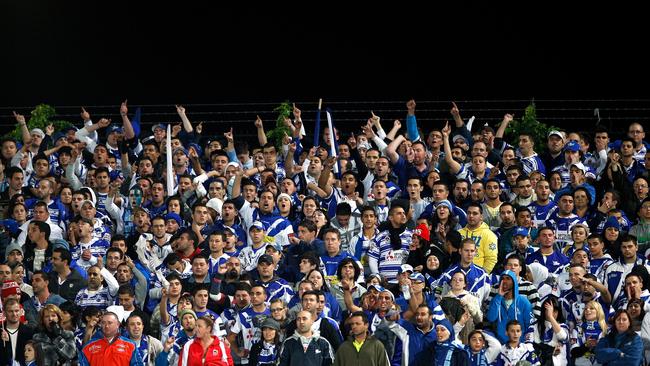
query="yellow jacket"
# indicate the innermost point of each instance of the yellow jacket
(487, 249)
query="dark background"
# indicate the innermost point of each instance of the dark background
(70, 54)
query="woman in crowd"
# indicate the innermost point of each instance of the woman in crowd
(54, 345)
(205, 348)
(621, 346)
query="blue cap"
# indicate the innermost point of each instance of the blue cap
(57, 136)
(276, 246)
(377, 287)
(115, 174)
(11, 225)
(417, 276)
(184, 150)
(520, 231)
(174, 216)
(114, 128)
(572, 145)
(612, 221)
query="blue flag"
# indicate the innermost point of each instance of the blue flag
(135, 122)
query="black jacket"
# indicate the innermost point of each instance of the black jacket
(68, 289)
(326, 330)
(25, 334)
(319, 352)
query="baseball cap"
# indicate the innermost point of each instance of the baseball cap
(87, 201)
(158, 125)
(265, 258)
(11, 225)
(180, 149)
(520, 231)
(256, 224)
(276, 246)
(556, 133)
(405, 268)
(422, 231)
(377, 287)
(579, 166)
(417, 276)
(12, 247)
(458, 137)
(114, 128)
(572, 145)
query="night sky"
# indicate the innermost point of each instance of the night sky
(68, 54)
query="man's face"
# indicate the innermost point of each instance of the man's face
(110, 326)
(258, 295)
(39, 283)
(461, 190)
(88, 211)
(200, 267)
(257, 235)
(477, 193)
(305, 234)
(304, 322)
(310, 303)
(382, 167)
(474, 216)
(439, 192)
(201, 299)
(525, 189)
(628, 250)
(123, 274)
(33, 233)
(507, 282)
(492, 190)
(40, 213)
(513, 265)
(423, 318)
(636, 133)
(113, 259)
(398, 216)
(576, 274)
(566, 205)
(242, 298)
(126, 301)
(546, 238)
(357, 326)
(94, 278)
(371, 158)
(13, 313)
(506, 214)
(332, 243)
(468, 253)
(135, 327)
(101, 180)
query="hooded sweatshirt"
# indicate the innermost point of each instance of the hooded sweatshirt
(486, 245)
(501, 311)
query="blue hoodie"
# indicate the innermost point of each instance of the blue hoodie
(519, 309)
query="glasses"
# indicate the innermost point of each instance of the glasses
(275, 310)
(635, 132)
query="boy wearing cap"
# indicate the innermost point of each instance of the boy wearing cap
(276, 288)
(250, 254)
(521, 241)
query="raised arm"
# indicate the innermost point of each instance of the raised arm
(411, 122)
(27, 138)
(261, 136)
(391, 150)
(454, 166)
(323, 180)
(126, 122)
(393, 132)
(455, 112)
(288, 162)
(507, 118)
(187, 125)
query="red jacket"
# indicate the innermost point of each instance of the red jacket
(120, 352)
(217, 354)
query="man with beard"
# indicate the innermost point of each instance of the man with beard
(96, 294)
(414, 338)
(389, 250)
(187, 318)
(14, 335)
(128, 274)
(361, 345)
(64, 281)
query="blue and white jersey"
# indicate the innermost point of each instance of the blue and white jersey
(511, 356)
(101, 230)
(268, 354)
(336, 196)
(559, 340)
(248, 324)
(532, 163)
(57, 210)
(597, 266)
(615, 275)
(329, 265)
(540, 213)
(478, 281)
(466, 172)
(249, 256)
(276, 226)
(97, 247)
(278, 288)
(100, 205)
(554, 262)
(387, 259)
(562, 227)
(359, 247)
(100, 298)
(214, 263)
(564, 174)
